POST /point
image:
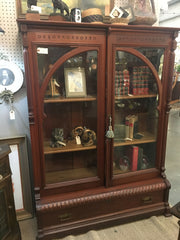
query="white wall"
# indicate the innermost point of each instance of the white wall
(11, 46)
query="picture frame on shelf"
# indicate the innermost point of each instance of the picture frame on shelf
(75, 82)
(130, 12)
(47, 7)
(143, 10)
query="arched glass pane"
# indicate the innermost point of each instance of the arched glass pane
(135, 114)
(47, 56)
(156, 56)
(70, 123)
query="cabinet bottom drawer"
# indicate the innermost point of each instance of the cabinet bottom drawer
(88, 211)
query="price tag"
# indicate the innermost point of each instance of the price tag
(78, 140)
(35, 8)
(12, 115)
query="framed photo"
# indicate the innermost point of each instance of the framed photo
(11, 76)
(75, 82)
(47, 6)
(143, 10)
(130, 12)
(18, 159)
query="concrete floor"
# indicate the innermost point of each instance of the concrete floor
(28, 227)
(172, 163)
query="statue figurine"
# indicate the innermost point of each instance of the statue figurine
(62, 6)
(31, 2)
(57, 139)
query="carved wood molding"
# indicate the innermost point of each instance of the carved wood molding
(142, 38)
(65, 36)
(101, 197)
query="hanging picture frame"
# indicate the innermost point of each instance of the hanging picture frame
(11, 76)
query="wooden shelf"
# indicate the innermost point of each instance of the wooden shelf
(71, 146)
(63, 99)
(117, 171)
(130, 96)
(69, 175)
(148, 138)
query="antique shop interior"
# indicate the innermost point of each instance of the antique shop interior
(90, 119)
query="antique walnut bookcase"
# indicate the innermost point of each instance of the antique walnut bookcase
(98, 98)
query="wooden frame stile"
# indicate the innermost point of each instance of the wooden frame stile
(109, 95)
(33, 114)
(168, 74)
(101, 92)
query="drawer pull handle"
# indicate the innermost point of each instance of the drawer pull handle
(1, 177)
(65, 217)
(147, 200)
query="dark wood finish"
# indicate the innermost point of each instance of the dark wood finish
(105, 196)
(9, 227)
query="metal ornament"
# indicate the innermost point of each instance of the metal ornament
(110, 133)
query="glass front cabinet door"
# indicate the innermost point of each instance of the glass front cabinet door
(98, 99)
(71, 88)
(139, 82)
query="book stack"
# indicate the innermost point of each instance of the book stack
(131, 126)
(135, 154)
(140, 80)
(133, 159)
(122, 81)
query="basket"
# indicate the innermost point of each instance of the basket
(92, 15)
(121, 21)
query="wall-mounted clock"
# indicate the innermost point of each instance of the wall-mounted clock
(11, 76)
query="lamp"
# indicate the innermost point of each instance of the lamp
(1, 31)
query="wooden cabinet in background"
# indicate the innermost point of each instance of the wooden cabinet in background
(98, 100)
(9, 227)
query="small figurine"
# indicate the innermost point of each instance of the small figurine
(57, 138)
(76, 15)
(77, 131)
(62, 6)
(88, 137)
(31, 2)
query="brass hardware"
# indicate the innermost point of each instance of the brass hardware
(1, 177)
(65, 217)
(110, 133)
(147, 200)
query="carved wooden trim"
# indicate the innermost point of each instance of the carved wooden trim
(27, 73)
(101, 197)
(141, 38)
(65, 36)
